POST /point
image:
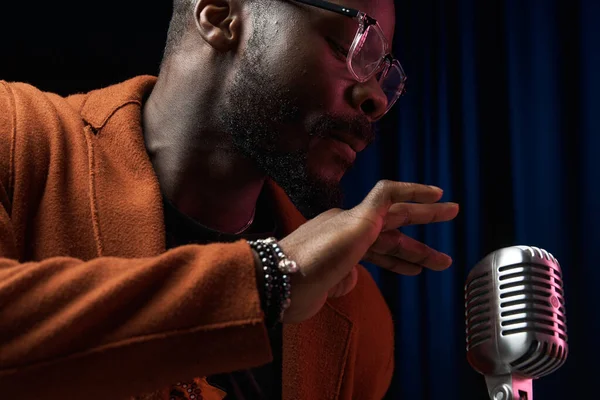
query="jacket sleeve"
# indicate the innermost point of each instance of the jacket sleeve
(115, 327)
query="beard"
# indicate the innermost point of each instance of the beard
(255, 118)
(259, 113)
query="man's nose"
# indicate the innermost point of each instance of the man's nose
(370, 99)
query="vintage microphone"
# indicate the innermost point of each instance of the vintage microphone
(515, 318)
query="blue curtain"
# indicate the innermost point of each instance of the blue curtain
(503, 112)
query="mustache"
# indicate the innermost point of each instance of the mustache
(357, 126)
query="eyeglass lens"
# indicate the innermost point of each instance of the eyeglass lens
(367, 58)
(392, 84)
(368, 53)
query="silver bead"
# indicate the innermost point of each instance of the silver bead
(288, 266)
(286, 303)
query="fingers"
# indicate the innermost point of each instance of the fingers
(404, 214)
(386, 193)
(393, 264)
(397, 245)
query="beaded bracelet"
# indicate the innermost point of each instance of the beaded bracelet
(277, 268)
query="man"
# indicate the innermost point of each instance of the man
(127, 215)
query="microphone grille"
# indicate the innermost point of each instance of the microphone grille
(532, 286)
(515, 312)
(532, 302)
(478, 296)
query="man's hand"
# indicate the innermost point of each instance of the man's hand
(328, 247)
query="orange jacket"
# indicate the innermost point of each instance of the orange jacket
(91, 304)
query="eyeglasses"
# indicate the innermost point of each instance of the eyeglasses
(369, 54)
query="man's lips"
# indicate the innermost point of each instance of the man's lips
(356, 144)
(342, 148)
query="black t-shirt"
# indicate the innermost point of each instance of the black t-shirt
(258, 383)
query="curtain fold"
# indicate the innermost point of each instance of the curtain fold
(503, 112)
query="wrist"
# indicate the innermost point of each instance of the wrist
(275, 270)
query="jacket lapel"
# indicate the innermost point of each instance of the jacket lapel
(127, 202)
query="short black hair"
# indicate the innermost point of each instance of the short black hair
(181, 18)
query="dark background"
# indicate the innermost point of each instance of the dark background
(502, 111)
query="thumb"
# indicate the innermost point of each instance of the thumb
(344, 286)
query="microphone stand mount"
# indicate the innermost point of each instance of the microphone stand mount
(509, 387)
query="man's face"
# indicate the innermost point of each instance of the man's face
(294, 103)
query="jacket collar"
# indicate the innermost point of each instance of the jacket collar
(101, 104)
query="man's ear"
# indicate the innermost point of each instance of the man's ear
(219, 23)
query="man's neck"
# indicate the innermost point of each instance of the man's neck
(198, 169)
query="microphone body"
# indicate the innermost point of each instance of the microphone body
(515, 320)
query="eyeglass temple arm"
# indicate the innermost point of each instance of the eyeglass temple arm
(350, 12)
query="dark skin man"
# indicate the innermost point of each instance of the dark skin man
(139, 223)
(257, 89)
